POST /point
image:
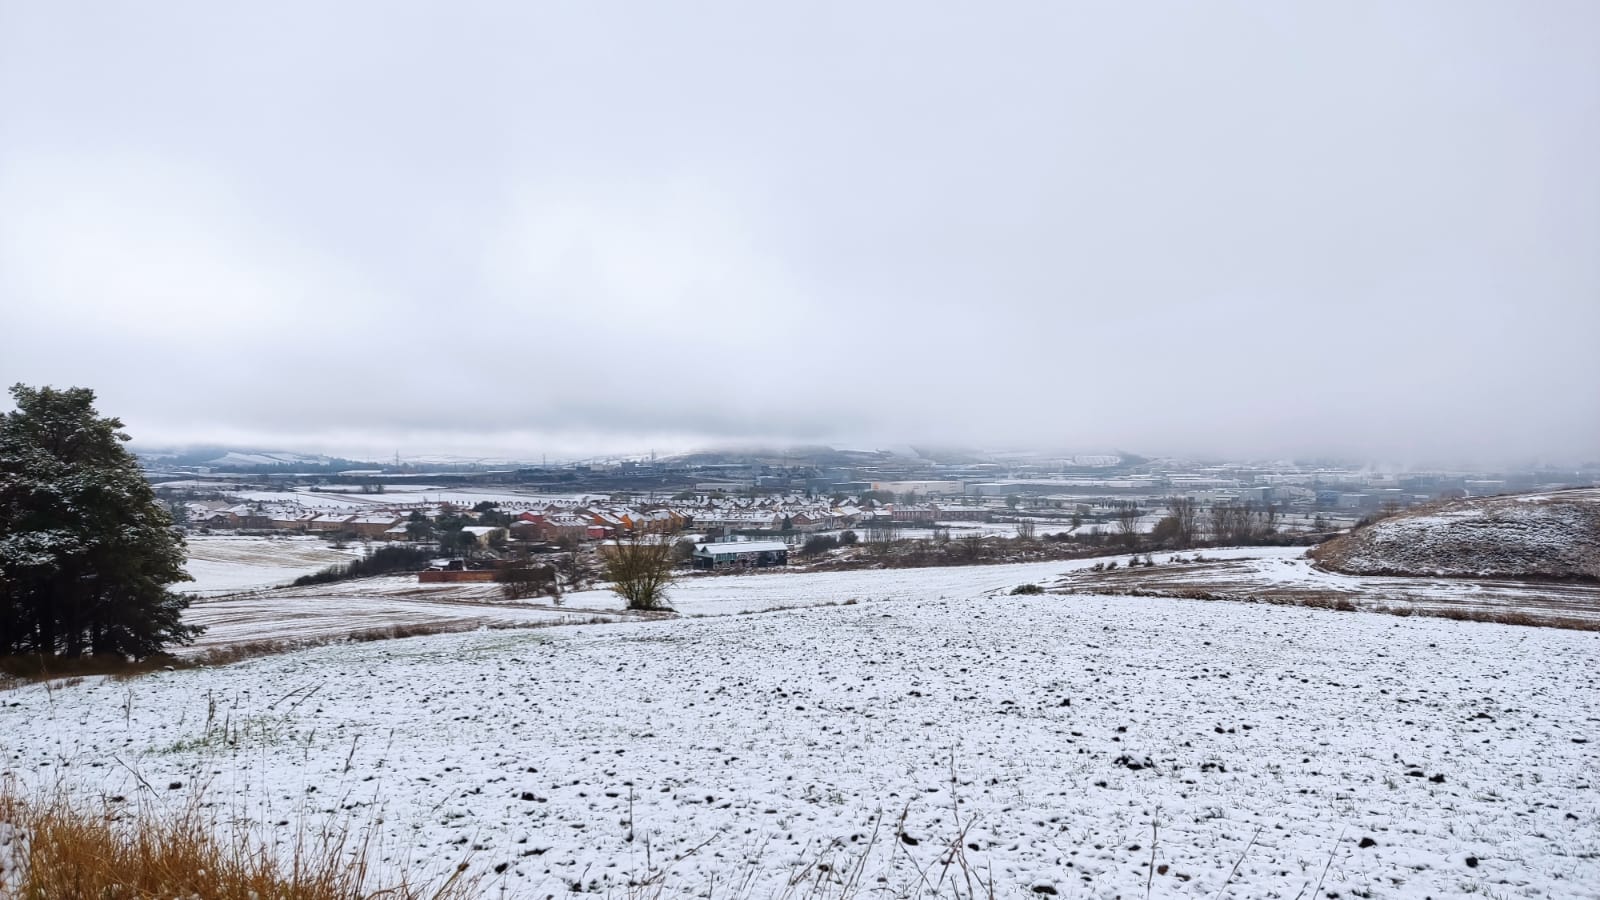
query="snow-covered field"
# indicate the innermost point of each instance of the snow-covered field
(223, 564)
(1285, 575)
(1087, 735)
(407, 495)
(328, 611)
(1279, 574)
(333, 611)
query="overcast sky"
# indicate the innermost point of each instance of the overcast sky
(1248, 228)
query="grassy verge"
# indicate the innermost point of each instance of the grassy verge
(60, 847)
(55, 847)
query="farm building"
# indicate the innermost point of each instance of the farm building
(741, 555)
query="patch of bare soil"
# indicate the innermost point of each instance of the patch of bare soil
(1298, 583)
(1553, 536)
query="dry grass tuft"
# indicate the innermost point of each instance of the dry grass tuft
(1342, 603)
(55, 847)
(1515, 617)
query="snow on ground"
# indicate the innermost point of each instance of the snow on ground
(1285, 574)
(1407, 757)
(712, 595)
(306, 500)
(1555, 534)
(328, 612)
(321, 612)
(511, 499)
(406, 495)
(224, 564)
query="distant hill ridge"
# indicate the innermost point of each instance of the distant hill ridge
(1555, 534)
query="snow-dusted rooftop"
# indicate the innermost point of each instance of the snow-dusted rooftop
(742, 547)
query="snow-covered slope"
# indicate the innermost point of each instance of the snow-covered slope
(1550, 535)
(268, 458)
(1267, 750)
(222, 564)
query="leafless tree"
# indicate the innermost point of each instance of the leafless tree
(882, 543)
(882, 530)
(570, 566)
(1184, 511)
(1128, 522)
(1026, 529)
(1221, 517)
(1269, 517)
(1245, 519)
(972, 547)
(1234, 522)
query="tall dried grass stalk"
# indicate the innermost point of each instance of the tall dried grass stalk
(64, 849)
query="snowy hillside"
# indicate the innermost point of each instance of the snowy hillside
(1069, 746)
(268, 458)
(1550, 535)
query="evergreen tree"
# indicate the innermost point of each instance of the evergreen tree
(86, 550)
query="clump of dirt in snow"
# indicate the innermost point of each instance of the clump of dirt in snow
(1548, 535)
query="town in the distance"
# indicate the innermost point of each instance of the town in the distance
(798, 503)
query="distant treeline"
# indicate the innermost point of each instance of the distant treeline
(383, 561)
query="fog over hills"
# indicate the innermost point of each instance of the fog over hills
(1229, 230)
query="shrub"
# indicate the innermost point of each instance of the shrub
(525, 579)
(1027, 589)
(639, 572)
(383, 561)
(849, 538)
(818, 544)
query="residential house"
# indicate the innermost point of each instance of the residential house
(252, 517)
(219, 518)
(949, 512)
(904, 513)
(484, 534)
(554, 526)
(330, 522)
(373, 525)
